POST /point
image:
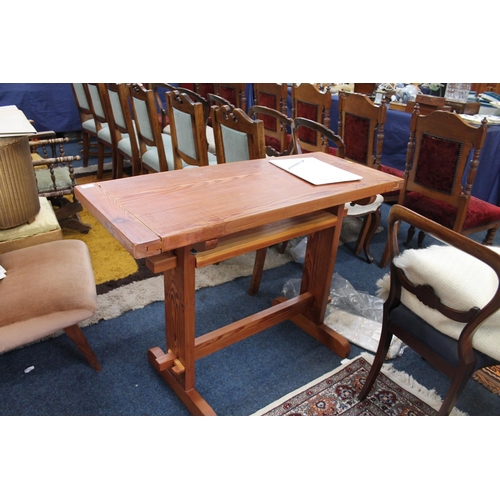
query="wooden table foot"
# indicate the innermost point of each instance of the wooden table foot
(191, 398)
(323, 333)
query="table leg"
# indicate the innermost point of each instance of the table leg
(177, 367)
(319, 263)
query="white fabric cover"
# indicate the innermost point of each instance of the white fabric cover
(460, 280)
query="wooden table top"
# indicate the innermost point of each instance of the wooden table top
(154, 213)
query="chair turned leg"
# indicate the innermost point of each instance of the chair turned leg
(490, 236)
(75, 333)
(258, 268)
(380, 356)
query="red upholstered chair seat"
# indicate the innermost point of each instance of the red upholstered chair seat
(479, 212)
(392, 171)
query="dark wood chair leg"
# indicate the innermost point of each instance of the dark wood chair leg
(380, 356)
(75, 333)
(458, 382)
(258, 268)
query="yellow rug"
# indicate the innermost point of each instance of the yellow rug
(109, 259)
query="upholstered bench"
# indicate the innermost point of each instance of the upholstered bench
(44, 228)
(47, 287)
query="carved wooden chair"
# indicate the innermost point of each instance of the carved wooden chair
(127, 145)
(232, 92)
(308, 101)
(106, 138)
(282, 124)
(457, 333)
(370, 211)
(274, 96)
(361, 126)
(195, 97)
(188, 131)
(55, 178)
(237, 136)
(439, 148)
(155, 146)
(89, 132)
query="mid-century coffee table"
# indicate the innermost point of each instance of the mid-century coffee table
(184, 219)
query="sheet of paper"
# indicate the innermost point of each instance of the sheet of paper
(13, 122)
(315, 171)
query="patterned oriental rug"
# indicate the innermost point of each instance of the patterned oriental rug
(335, 394)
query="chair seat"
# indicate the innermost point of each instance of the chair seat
(35, 308)
(105, 135)
(360, 210)
(392, 171)
(479, 212)
(45, 183)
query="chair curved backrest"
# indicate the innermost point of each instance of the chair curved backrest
(188, 131)
(456, 332)
(237, 136)
(326, 136)
(308, 101)
(361, 126)
(277, 142)
(148, 129)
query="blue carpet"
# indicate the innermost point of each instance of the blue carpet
(238, 380)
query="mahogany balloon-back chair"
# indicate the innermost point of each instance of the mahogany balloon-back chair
(435, 303)
(273, 96)
(441, 165)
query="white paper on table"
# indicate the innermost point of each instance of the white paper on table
(315, 171)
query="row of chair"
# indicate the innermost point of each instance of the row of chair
(361, 136)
